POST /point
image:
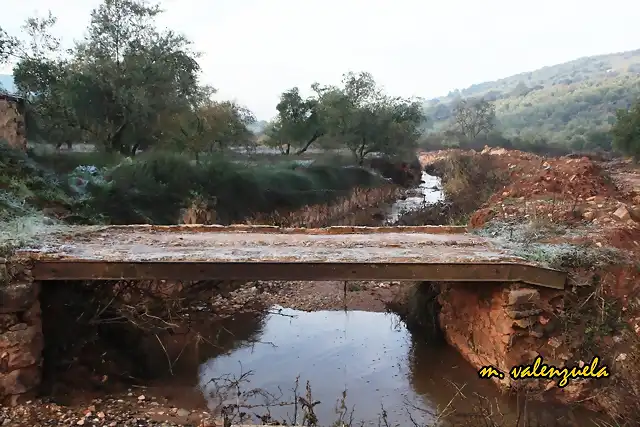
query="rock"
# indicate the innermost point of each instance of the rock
(141, 397)
(182, 413)
(554, 342)
(634, 213)
(18, 327)
(19, 381)
(523, 296)
(521, 314)
(16, 297)
(588, 215)
(21, 348)
(524, 322)
(7, 321)
(622, 213)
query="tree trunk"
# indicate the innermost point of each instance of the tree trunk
(308, 144)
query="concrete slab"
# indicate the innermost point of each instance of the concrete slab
(269, 253)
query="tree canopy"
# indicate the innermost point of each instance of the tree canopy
(570, 105)
(626, 131)
(356, 115)
(126, 86)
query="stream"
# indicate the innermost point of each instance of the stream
(427, 192)
(253, 361)
(369, 356)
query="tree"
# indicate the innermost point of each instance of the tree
(366, 121)
(126, 86)
(216, 126)
(137, 73)
(626, 131)
(298, 124)
(473, 117)
(8, 46)
(45, 79)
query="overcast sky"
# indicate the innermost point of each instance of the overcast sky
(253, 50)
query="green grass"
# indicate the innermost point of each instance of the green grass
(154, 187)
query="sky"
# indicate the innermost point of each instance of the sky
(254, 50)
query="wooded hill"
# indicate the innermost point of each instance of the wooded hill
(570, 104)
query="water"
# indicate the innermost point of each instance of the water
(427, 192)
(370, 355)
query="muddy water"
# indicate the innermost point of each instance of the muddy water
(427, 192)
(370, 355)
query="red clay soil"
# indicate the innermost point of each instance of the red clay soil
(577, 192)
(600, 203)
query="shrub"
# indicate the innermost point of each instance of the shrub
(155, 187)
(26, 186)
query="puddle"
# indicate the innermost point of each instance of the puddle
(427, 192)
(370, 355)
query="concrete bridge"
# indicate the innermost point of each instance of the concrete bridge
(243, 252)
(430, 253)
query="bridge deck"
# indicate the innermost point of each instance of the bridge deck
(270, 253)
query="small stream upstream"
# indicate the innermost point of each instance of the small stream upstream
(427, 192)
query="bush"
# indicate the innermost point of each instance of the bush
(26, 186)
(470, 179)
(153, 188)
(63, 162)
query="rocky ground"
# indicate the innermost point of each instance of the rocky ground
(588, 207)
(129, 409)
(311, 296)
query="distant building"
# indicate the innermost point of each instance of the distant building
(12, 121)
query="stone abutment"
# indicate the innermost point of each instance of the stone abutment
(503, 325)
(21, 338)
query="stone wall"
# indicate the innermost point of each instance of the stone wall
(502, 326)
(21, 339)
(12, 122)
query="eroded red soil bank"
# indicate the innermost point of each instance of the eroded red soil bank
(575, 214)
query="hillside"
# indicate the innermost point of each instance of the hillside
(572, 103)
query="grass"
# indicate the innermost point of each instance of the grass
(523, 239)
(155, 187)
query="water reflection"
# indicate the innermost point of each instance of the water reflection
(172, 361)
(364, 353)
(427, 192)
(370, 355)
